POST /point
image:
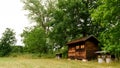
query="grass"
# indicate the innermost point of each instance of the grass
(10, 62)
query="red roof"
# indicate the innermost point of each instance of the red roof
(82, 39)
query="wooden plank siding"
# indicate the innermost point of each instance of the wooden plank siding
(77, 52)
(83, 48)
(91, 48)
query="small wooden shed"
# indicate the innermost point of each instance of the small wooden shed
(83, 48)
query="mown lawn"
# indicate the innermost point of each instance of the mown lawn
(52, 63)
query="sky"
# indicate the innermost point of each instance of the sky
(13, 16)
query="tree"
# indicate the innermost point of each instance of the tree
(72, 19)
(108, 16)
(17, 49)
(111, 41)
(7, 40)
(64, 20)
(40, 13)
(35, 40)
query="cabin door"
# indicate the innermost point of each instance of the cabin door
(77, 52)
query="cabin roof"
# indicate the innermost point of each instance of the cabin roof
(82, 39)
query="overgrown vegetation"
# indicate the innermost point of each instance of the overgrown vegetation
(59, 21)
(64, 20)
(52, 63)
(7, 40)
(107, 14)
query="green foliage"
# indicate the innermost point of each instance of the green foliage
(39, 11)
(59, 21)
(35, 40)
(111, 41)
(64, 51)
(62, 20)
(17, 49)
(7, 40)
(108, 16)
(71, 19)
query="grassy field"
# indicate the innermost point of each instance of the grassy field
(52, 63)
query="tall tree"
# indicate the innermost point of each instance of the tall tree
(39, 11)
(72, 19)
(8, 39)
(107, 15)
(35, 40)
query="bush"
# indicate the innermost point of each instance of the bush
(32, 55)
(4, 50)
(47, 55)
(17, 49)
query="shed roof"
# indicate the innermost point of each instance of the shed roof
(82, 39)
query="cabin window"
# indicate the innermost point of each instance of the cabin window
(82, 46)
(77, 47)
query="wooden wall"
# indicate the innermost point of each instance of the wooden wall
(82, 51)
(76, 52)
(71, 52)
(91, 48)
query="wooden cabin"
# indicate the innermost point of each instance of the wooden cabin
(83, 48)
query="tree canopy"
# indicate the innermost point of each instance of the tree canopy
(35, 40)
(108, 16)
(64, 20)
(72, 19)
(8, 39)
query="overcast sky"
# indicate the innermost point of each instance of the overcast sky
(13, 16)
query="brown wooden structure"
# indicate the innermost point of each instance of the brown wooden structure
(83, 48)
